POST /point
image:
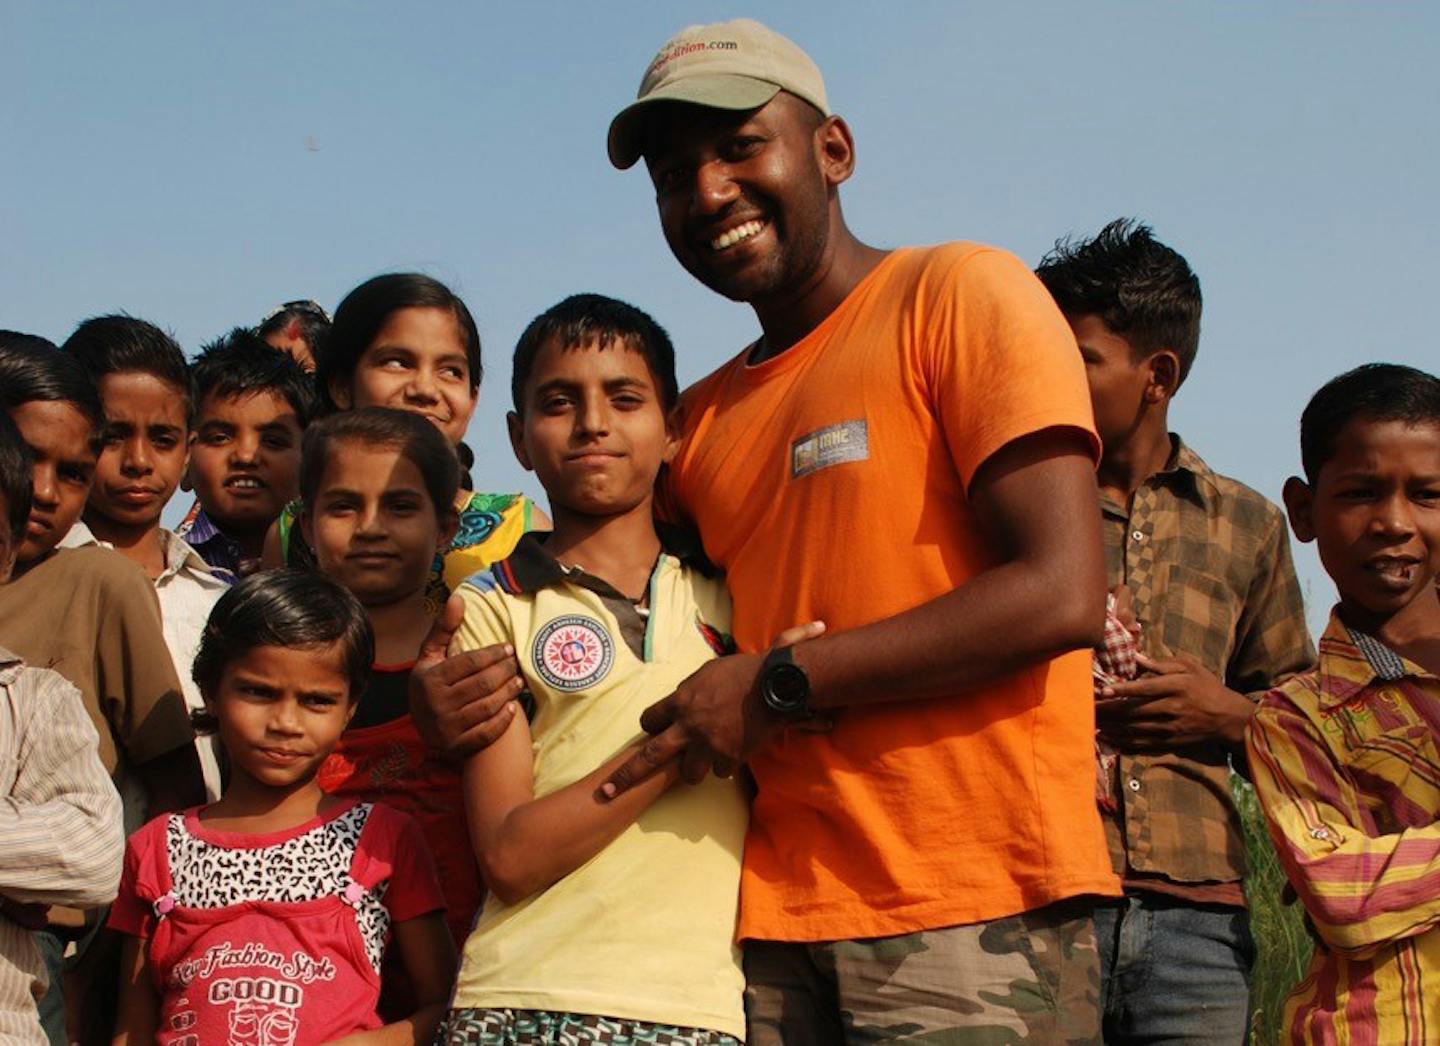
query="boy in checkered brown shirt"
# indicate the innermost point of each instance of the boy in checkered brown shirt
(1206, 561)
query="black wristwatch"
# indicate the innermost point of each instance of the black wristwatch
(784, 686)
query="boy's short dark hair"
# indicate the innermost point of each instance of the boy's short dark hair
(19, 339)
(415, 438)
(241, 364)
(584, 318)
(289, 608)
(1374, 391)
(17, 482)
(33, 369)
(1141, 289)
(118, 344)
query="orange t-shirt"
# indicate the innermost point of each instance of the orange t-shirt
(830, 483)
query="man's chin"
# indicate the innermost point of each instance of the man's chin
(738, 287)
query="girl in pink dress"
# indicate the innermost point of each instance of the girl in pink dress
(262, 919)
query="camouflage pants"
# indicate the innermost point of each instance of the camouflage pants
(1032, 978)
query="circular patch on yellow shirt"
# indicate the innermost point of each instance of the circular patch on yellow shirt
(573, 652)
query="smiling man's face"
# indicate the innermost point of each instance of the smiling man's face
(743, 202)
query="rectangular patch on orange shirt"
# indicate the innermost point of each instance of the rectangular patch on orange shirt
(832, 445)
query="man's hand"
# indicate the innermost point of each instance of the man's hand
(461, 704)
(1178, 703)
(713, 721)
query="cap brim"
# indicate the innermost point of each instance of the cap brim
(721, 91)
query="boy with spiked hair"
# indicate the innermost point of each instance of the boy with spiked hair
(1207, 563)
(1346, 759)
(252, 402)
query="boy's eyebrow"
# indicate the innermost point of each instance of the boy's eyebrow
(216, 423)
(622, 382)
(282, 423)
(556, 383)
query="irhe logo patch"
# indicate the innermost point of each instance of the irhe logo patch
(573, 652)
(832, 445)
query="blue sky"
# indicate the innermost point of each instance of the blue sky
(197, 163)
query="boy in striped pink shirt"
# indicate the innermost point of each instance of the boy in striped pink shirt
(1346, 759)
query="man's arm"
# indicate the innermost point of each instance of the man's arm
(61, 838)
(1035, 500)
(1360, 890)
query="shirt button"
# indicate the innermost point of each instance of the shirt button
(1137, 535)
(1134, 784)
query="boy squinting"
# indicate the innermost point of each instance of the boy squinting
(253, 402)
(1344, 758)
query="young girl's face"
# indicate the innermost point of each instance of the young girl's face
(281, 711)
(372, 524)
(416, 362)
(61, 440)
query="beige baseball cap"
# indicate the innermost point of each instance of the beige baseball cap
(728, 65)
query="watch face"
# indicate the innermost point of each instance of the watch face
(785, 688)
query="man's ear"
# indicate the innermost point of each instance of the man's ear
(515, 424)
(1164, 376)
(1300, 506)
(836, 150)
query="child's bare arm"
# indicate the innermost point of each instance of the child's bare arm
(428, 955)
(524, 844)
(138, 1015)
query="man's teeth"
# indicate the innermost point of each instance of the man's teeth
(245, 483)
(735, 235)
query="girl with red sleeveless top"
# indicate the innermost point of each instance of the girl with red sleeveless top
(263, 918)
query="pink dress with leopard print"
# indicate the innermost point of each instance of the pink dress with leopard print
(276, 939)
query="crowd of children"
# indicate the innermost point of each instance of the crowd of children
(359, 754)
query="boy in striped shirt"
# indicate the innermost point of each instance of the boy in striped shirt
(1346, 759)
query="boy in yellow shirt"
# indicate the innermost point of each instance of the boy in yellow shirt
(576, 938)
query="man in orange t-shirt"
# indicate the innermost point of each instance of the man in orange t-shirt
(907, 454)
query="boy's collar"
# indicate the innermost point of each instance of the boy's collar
(1184, 464)
(201, 529)
(1184, 472)
(531, 567)
(1351, 660)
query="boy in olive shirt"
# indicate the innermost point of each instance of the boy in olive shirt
(1207, 563)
